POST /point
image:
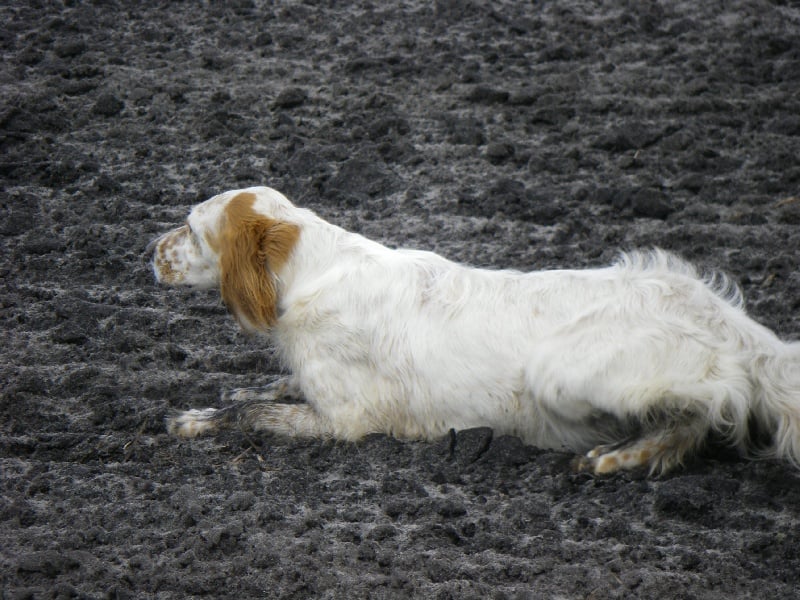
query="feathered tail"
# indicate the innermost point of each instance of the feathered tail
(777, 409)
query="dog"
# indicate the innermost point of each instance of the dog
(632, 365)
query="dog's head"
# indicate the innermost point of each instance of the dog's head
(237, 241)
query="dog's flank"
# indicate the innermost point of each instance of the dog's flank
(407, 343)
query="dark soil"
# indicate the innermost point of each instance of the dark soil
(504, 134)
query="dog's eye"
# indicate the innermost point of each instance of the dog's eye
(192, 235)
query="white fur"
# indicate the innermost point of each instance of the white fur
(411, 344)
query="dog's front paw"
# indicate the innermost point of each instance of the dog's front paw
(191, 423)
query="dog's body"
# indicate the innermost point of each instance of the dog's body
(643, 356)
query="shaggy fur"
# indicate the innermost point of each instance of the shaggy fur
(635, 363)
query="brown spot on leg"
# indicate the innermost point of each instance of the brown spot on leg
(659, 453)
(606, 464)
(603, 460)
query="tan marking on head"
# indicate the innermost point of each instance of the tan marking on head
(172, 238)
(163, 255)
(253, 249)
(213, 241)
(165, 271)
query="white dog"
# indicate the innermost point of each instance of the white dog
(635, 363)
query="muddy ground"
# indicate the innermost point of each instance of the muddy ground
(505, 134)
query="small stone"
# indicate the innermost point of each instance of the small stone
(650, 204)
(486, 95)
(499, 152)
(108, 105)
(290, 98)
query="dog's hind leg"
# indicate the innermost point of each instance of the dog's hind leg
(657, 451)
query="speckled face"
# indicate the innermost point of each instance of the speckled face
(189, 255)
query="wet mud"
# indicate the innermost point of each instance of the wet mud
(517, 134)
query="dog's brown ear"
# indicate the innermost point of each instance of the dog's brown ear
(253, 250)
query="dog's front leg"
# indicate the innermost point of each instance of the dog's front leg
(255, 409)
(283, 389)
